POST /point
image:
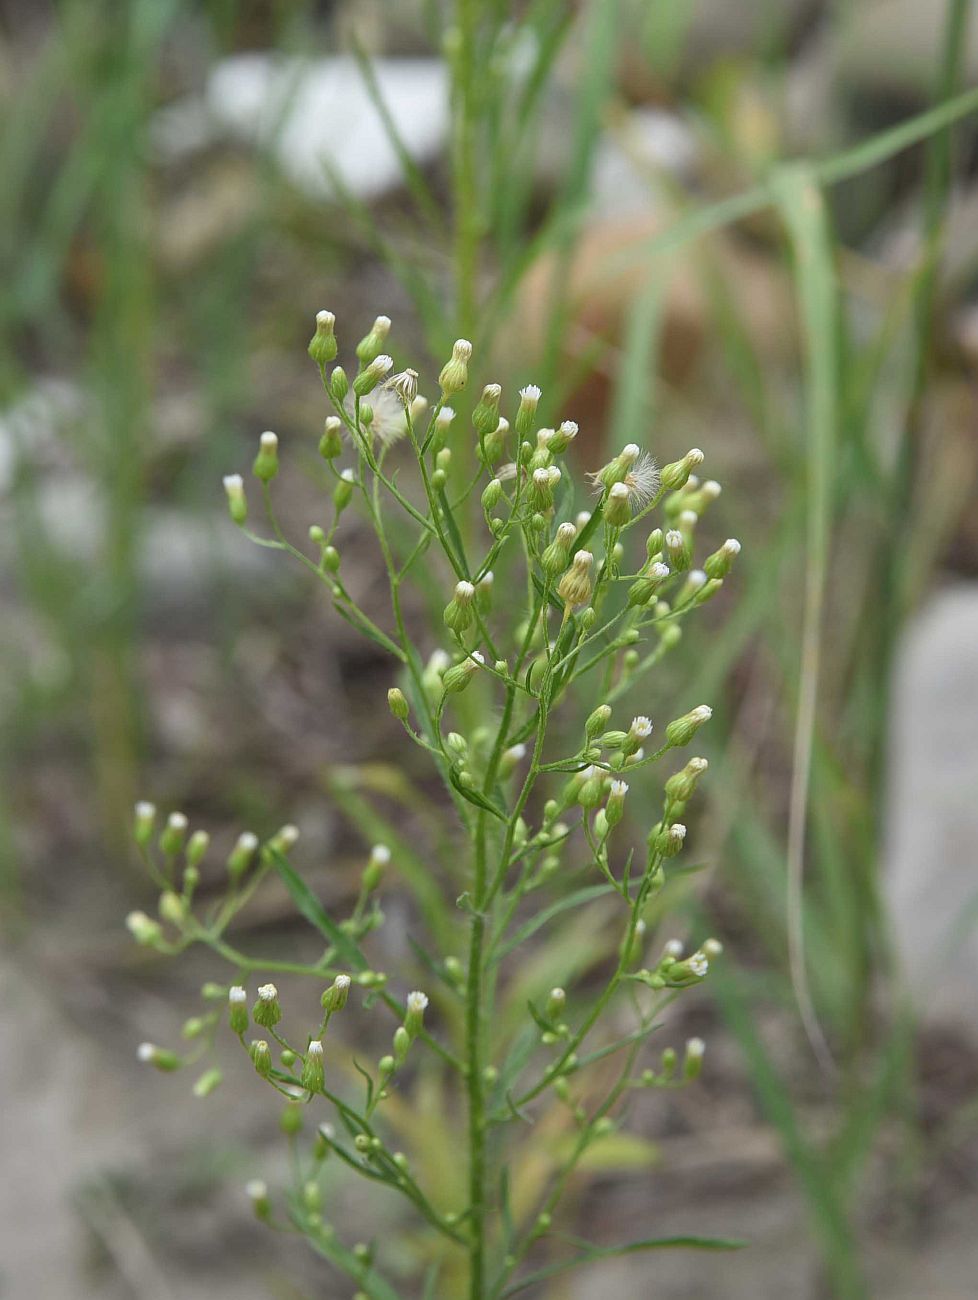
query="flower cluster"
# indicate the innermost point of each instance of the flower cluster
(547, 623)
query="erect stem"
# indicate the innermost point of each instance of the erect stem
(474, 1030)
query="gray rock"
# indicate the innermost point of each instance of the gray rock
(931, 878)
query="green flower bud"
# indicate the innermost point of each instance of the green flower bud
(142, 831)
(643, 589)
(598, 719)
(526, 414)
(331, 559)
(173, 908)
(414, 1016)
(458, 613)
(680, 786)
(682, 730)
(458, 677)
(495, 442)
(372, 343)
(313, 1074)
(492, 493)
(290, 1120)
(208, 1082)
(397, 703)
(615, 807)
(455, 373)
(617, 511)
(335, 997)
(693, 1062)
(331, 443)
(402, 1042)
(261, 1057)
(674, 476)
(265, 466)
(718, 564)
(368, 379)
(159, 1057)
(678, 552)
(485, 417)
(322, 345)
(174, 834)
(575, 586)
(258, 1194)
(343, 491)
(556, 1003)
(267, 1011)
(542, 485)
(242, 854)
(339, 385)
(197, 847)
(237, 1009)
(561, 439)
(237, 501)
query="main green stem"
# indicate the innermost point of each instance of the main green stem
(474, 1032)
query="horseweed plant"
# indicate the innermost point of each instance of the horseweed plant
(532, 808)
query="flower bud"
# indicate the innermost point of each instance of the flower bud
(458, 613)
(616, 508)
(368, 379)
(693, 1061)
(492, 494)
(598, 719)
(322, 345)
(526, 413)
(401, 1044)
(616, 469)
(372, 343)
(237, 501)
(458, 677)
(397, 703)
(590, 792)
(485, 417)
(159, 1057)
(555, 1004)
(265, 466)
(343, 490)
(208, 1082)
(197, 847)
(677, 550)
(495, 441)
(335, 997)
(267, 1011)
(145, 817)
(555, 557)
(615, 807)
(414, 1016)
(682, 730)
(680, 786)
(643, 590)
(173, 908)
(654, 543)
(675, 476)
(339, 385)
(237, 1009)
(331, 443)
(261, 1057)
(380, 856)
(718, 564)
(483, 592)
(242, 854)
(313, 1074)
(560, 440)
(174, 834)
(575, 586)
(455, 373)
(542, 485)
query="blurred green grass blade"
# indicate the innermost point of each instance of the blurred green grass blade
(828, 1214)
(635, 389)
(413, 176)
(803, 211)
(312, 909)
(590, 1254)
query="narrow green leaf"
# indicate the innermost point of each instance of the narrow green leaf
(314, 912)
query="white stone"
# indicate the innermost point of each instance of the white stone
(931, 848)
(316, 116)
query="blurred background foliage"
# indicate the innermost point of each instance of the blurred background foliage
(614, 209)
